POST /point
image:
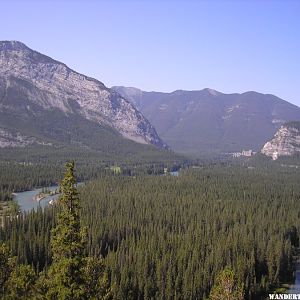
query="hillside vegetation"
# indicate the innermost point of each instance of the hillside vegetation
(165, 237)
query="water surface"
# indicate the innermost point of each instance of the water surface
(295, 288)
(27, 202)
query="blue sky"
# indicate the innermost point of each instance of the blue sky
(230, 46)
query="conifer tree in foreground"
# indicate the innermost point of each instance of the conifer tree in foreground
(16, 280)
(4, 267)
(72, 275)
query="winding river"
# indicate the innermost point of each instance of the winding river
(27, 201)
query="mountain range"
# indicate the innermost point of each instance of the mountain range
(206, 121)
(42, 101)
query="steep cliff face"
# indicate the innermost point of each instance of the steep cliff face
(32, 84)
(286, 141)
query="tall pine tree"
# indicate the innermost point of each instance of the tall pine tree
(72, 275)
(67, 244)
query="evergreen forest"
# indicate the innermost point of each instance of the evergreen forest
(162, 237)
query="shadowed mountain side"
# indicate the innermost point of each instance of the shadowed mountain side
(202, 121)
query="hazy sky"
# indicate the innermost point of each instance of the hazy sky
(230, 46)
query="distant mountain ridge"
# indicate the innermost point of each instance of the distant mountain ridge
(42, 100)
(205, 121)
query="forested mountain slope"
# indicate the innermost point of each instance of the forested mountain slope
(198, 122)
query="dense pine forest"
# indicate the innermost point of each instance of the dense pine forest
(32, 167)
(167, 237)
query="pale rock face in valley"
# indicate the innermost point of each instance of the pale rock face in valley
(286, 141)
(57, 86)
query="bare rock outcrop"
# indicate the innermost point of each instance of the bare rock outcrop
(286, 141)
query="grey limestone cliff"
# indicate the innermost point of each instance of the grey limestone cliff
(286, 141)
(46, 84)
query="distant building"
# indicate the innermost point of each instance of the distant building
(247, 153)
(236, 154)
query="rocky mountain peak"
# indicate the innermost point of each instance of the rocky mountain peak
(212, 92)
(46, 84)
(12, 46)
(286, 141)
